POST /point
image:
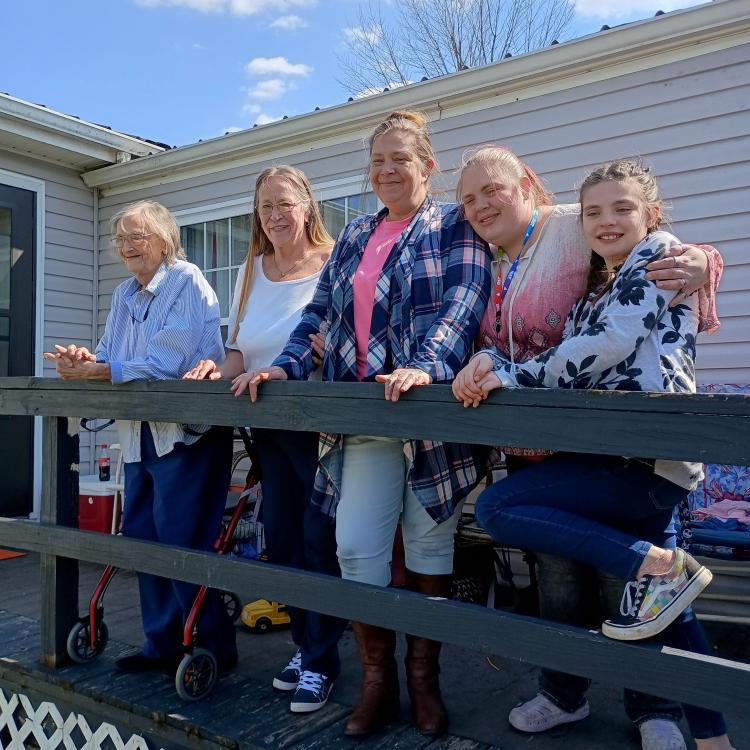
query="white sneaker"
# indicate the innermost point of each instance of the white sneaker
(661, 734)
(540, 714)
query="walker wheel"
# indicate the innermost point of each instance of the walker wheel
(196, 675)
(232, 604)
(79, 646)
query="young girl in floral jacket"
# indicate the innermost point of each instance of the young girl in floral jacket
(608, 511)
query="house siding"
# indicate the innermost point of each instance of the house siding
(688, 119)
(68, 286)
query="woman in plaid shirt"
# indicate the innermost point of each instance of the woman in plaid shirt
(402, 295)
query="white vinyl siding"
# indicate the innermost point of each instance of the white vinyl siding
(688, 119)
(68, 258)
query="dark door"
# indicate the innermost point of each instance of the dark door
(17, 229)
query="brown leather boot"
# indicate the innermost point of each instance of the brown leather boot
(379, 704)
(423, 663)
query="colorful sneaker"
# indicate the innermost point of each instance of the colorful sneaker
(288, 678)
(540, 714)
(312, 692)
(661, 734)
(652, 603)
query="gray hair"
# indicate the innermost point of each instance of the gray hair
(159, 221)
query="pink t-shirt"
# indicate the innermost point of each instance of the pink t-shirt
(376, 252)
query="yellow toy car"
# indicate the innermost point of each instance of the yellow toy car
(261, 615)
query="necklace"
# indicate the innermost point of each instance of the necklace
(283, 274)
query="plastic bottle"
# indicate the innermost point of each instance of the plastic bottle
(102, 461)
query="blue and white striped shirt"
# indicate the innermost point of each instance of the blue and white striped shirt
(159, 332)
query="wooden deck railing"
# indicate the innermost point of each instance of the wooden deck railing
(714, 428)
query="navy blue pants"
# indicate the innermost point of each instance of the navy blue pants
(298, 535)
(179, 499)
(599, 510)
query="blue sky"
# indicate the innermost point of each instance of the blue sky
(178, 71)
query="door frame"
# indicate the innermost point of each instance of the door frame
(35, 185)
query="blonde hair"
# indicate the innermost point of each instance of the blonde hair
(157, 220)
(414, 123)
(620, 170)
(315, 230)
(499, 161)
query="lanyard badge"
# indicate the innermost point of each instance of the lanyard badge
(501, 287)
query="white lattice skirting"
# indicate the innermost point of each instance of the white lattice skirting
(22, 727)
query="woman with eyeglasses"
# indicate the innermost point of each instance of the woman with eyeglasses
(162, 322)
(403, 293)
(289, 246)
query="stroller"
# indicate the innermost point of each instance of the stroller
(198, 671)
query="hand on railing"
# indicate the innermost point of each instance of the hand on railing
(206, 369)
(251, 380)
(70, 352)
(77, 363)
(399, 381)
(474, 383)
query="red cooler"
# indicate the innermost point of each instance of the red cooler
(95, 504)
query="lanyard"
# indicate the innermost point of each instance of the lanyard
(501, 288)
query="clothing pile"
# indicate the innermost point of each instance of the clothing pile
(719, 518)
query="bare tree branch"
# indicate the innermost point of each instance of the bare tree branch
(428, 38)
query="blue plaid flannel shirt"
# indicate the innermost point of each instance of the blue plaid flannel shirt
(429, 300)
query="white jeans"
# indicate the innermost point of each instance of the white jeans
(374, 493)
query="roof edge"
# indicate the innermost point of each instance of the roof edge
(721, 18)
(48, 123)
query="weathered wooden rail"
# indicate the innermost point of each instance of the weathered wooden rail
(712, 428)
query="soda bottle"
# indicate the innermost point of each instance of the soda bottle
(103, 463)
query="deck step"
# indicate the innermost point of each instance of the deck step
(146, 713)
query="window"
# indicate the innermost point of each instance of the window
(219, 246)
(338, 212)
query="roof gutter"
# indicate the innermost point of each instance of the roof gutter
(48, 126)
(721, 19)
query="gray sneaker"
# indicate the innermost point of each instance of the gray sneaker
(661, 734)
(540, 714)
(288, 678)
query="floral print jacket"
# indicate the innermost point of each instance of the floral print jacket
(628, 339)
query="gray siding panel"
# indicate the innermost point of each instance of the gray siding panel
(68, 259)
(688, 119)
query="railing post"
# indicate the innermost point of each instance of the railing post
(60, 507)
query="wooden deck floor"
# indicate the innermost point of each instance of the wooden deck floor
(244, 711)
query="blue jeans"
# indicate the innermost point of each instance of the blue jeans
(179, 499)
(603, 511)
(299, 536)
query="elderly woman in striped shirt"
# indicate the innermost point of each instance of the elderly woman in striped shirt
(163, 321)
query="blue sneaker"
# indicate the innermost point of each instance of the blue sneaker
(312, 692)
(288, 678)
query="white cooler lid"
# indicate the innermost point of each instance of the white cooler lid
(89, 484)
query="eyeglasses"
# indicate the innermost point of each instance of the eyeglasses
(134, 240)
(283, 207)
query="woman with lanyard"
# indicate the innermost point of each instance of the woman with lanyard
(541, 272)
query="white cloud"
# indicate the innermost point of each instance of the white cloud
(264, 119)
(354, 34)
(234, 7)
(231, 129)
(289, 23)
(615, 9)
(269, 89)
(251, 109)
(279, 66)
